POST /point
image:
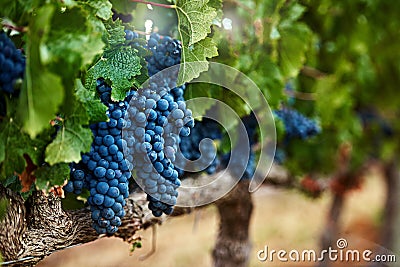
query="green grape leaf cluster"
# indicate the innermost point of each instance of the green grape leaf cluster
(194, 24)
(120, 64)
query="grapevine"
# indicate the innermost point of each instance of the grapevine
(112, 115)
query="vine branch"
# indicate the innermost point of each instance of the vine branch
(34, 229)
(312, 72)
(154, 4)
(13, 27)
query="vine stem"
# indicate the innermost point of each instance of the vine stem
(15, 28)
(154, 4)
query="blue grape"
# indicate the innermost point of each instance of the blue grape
(102, 187)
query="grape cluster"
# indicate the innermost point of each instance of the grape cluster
(12, 64)
(166, 52)
(143, 133)
(104, 170)
(371, 119)
(296, 124)
(204, 157)
(242, 166)
(157, 119)
(156, 123)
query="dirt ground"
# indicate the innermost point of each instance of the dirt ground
(282, 219)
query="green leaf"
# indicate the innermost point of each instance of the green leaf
(49, 176)
(217, 5)
(95, 109)
(197, 53)
(123, 6)
(269, 79)
(17, 10)
(293, 45)
(73, 42)
(195, 90)
(194, 20)
(229, 119)
(71, 139)
(39, 100)
(118, 66)
(115, 33)
(42, 91)
(102, 8)
(293, 12)
(13, 145)
(73, 202)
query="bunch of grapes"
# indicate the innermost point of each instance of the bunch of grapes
(296, 124)
(156, 123)
(242, 166)
(204, 156)
(371, 119)
(104, 170)
(158, 118)
(143, 133)
(166, 52)
(12, 64)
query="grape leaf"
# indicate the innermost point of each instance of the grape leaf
(229, 119)
(71, 139)
(217, 5)
(42, 91)
(49, 176)
(269, 79)
(115, 33)
(196, 56)
(16, 10)
(13, 145)
(293, 44)
(94, 108)
(26, 177)
(123, 6)
(72, 42)
(293, 12)
(194, 20)
(102, 8)
(118, 66)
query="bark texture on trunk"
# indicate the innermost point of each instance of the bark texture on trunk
(232, 248)
(390, 229)
(36, 228)
(331, 230)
